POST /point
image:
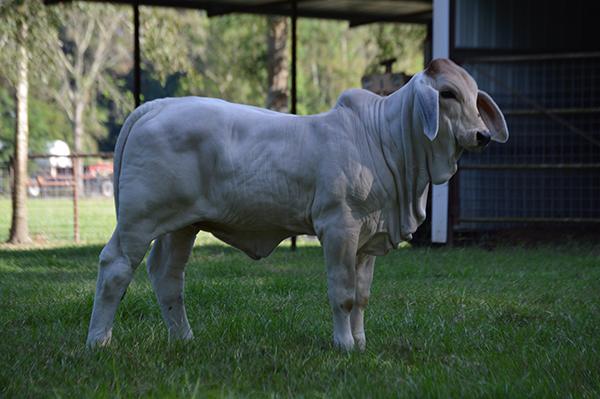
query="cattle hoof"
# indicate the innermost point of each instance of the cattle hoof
(344, 344)
(361, 342)
(98, 341)
(186, 335)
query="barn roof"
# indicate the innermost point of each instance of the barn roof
(357, 12)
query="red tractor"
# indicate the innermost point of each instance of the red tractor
(97, 180)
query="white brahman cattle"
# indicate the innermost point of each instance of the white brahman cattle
(356, 176)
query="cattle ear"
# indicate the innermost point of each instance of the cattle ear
(427, 108)
(492, 117)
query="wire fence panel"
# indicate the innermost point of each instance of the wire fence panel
(530, 195)
(549, 171)
(51, 206)
(570, 82)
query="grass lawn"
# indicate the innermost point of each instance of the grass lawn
(51, 220)
(459, 322)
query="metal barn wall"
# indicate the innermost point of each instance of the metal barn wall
(515, 26)
(540, 61)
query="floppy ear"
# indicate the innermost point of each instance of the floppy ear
(427, 108)
(492, 117)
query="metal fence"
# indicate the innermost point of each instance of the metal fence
(549, 171)
(59, 210)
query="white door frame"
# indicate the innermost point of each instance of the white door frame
(440, 49)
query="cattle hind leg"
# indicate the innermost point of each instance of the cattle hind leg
(115, 271)
(166, 265)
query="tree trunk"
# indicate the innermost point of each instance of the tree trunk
(19, 231)
(78, 125)
(78, 132)
(277, 64)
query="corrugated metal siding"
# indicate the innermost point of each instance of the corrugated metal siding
(556, 25)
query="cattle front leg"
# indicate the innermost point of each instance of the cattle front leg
(115, 271)
(166, 265)
(339, 247)
(365, 265)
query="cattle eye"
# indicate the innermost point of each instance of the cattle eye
(448, 94)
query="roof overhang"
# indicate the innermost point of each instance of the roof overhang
(357, 12)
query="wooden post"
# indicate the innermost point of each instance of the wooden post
(137, 72)
(294, 54)
(294, 59)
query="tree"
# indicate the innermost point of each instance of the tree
(46, 120)
(170, 40)
(403, 41)
(228, 59)
(22, 33)
(91, 42)
(19, 231)
(277, 64)
(333, 57)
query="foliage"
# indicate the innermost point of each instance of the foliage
(92, 47)
(333, 57)
(218, 57)
(186, 53)
(51, 78)
(232, 64)
(455, 322)
(42, 24)
(46, 122)
(226, 57)
(163, 51)
(401, 41)
(328, 63)
(7, 124)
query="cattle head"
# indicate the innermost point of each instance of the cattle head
(467, 113)
(451, 114)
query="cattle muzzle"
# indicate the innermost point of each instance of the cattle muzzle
(483, 139)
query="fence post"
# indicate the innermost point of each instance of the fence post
(76, 198)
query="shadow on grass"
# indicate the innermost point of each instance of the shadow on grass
(93, 250)
(79, 263)
(70, 252)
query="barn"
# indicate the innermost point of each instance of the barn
(540, 61)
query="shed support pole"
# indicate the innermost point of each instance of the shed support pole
(441, 49)
(294, 50)
(294, 58)
(137, 72)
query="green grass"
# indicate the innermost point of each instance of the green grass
(51, 220)
(459, 322)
